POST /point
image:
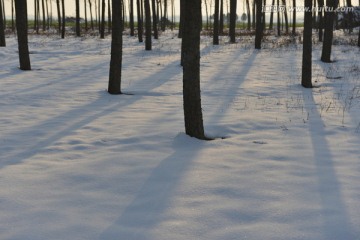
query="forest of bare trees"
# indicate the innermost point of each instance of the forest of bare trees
(152, 17)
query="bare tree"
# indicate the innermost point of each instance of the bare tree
(294, 18)
(102, 25)
(116, 49)
(307, 48)
(22, 33)
(191, 69)
(59, 15)
(63, 19)
(140, 20)
(154, 15)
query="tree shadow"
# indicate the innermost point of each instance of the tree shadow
(153, 200)
(335, 219)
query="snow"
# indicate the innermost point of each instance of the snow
(77, 163)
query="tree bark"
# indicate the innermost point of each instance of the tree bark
(102, 26)
(259, 24)
(77, 10)
(131, 16)
(328, 33)
(116, 49)
(216, 23)
(154, 16)
(232, 21)
(294, 18)
(63, 20)
(2, 27)
(307, 48)
(147, 25)
(22, 28)
(191, 70)
(140, 20)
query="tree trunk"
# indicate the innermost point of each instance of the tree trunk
(221, 19)
(328, 33)
(216, 23)
(140, 20)
(272, 15)
(77, 10)
(286, 17)
(43, 15)
(294, 18)
(131, 13)
(91, 16)
(207, 14)
(232, 21)
(164, 18)
(102, 28)
(154, 16)
(116, 49)
(12, 16)
(147, 25)
(59, 15)
(307, 48)
(109, 15)
(63, 19)
(253, 15)
(2, 27)
(259, 24)
(278, 20)
(191, 70)
(22, 28)
(182, 13)
(85, 14)
(321, 20)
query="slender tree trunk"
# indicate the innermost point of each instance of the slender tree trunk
(43, 16)
(278, 20)
(307, 48)
(154, 16)
(2, 27)
(286, 17)
(328, 33)
(232, 21)
(221, 19)
(102, 28)
(216, 23)
(91, 16)
(63, 19)
(85, 15)
(116, 49)
(147, 25)
(164, 18)
(59, 15)
(191, 79)
(207, 14)
(321, 20)
(272, 15)
(109, 15)
(22, 28)
(248, 15)
(12, 16)
(259, 24)
(140, 20)
(253, 14)
(131, 13)
(294, 18)
(77, 10)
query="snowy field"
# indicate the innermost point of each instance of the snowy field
(77, 163)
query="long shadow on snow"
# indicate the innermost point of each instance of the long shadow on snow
(74, 119)
(336, 223)
(150, 205)
(231, 88)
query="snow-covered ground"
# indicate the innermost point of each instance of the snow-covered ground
(77, 163)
